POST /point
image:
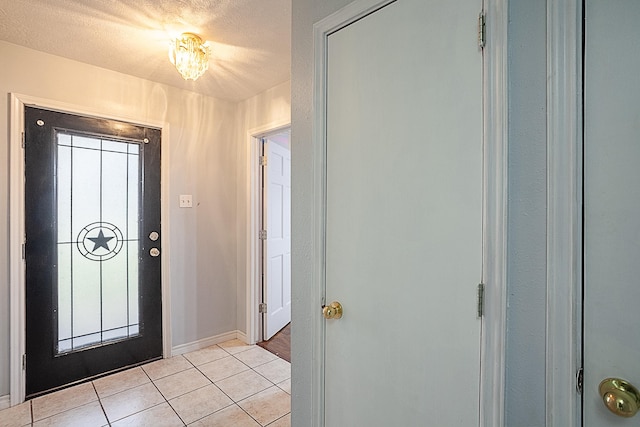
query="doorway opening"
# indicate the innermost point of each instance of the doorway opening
(269, 294)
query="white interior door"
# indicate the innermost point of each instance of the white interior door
(404, 216)
(277, 247)
(611, 203)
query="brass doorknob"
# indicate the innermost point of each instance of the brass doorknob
(620, 397)
(332, 311)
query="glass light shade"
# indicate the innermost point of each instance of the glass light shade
(190, 55)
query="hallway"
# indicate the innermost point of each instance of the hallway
(229, 384)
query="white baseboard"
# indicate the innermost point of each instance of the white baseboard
(242, 337)
(5, 402)
(206, 342)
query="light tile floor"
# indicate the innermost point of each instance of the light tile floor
(226, 385)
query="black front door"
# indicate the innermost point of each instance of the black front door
(92, 220)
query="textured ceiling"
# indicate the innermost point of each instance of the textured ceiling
(250, 39)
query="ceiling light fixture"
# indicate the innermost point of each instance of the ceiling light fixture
(190, 55)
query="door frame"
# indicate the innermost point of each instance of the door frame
(495, 180)
(17, 334)
(254, 223)
(564, 211)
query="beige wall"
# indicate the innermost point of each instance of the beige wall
(205, 161)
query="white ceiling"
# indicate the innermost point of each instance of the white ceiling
(250, 39)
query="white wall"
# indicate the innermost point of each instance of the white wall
(203, 159)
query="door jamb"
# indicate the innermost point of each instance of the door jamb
(495, 130)
(495, 215)
(17, 299)
(564, 211)
(254, 215)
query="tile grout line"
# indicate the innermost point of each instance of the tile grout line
(235, 403)
(250, 416)
(208, 415)
(133, 387)
(277, 419)
(163, 396)
(95, 390)
(259, 374)
(196, 367)
(212, 383)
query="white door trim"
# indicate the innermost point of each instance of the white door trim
(496, 131)
(17, 332)
(564, 215)
(16, 265)
(495, 204)
(254, 215)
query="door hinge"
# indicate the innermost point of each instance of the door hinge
(262, 235)
(482, 33)
(480, 299)
(24, 140)
(262, 308)
(263, 160)
(24, 362)
(579, 380)
(24, 251)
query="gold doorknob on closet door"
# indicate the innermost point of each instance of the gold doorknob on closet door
(620, 397)
(332, 311)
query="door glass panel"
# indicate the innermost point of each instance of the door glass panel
(98, 191)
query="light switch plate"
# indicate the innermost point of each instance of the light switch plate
(186, 201)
